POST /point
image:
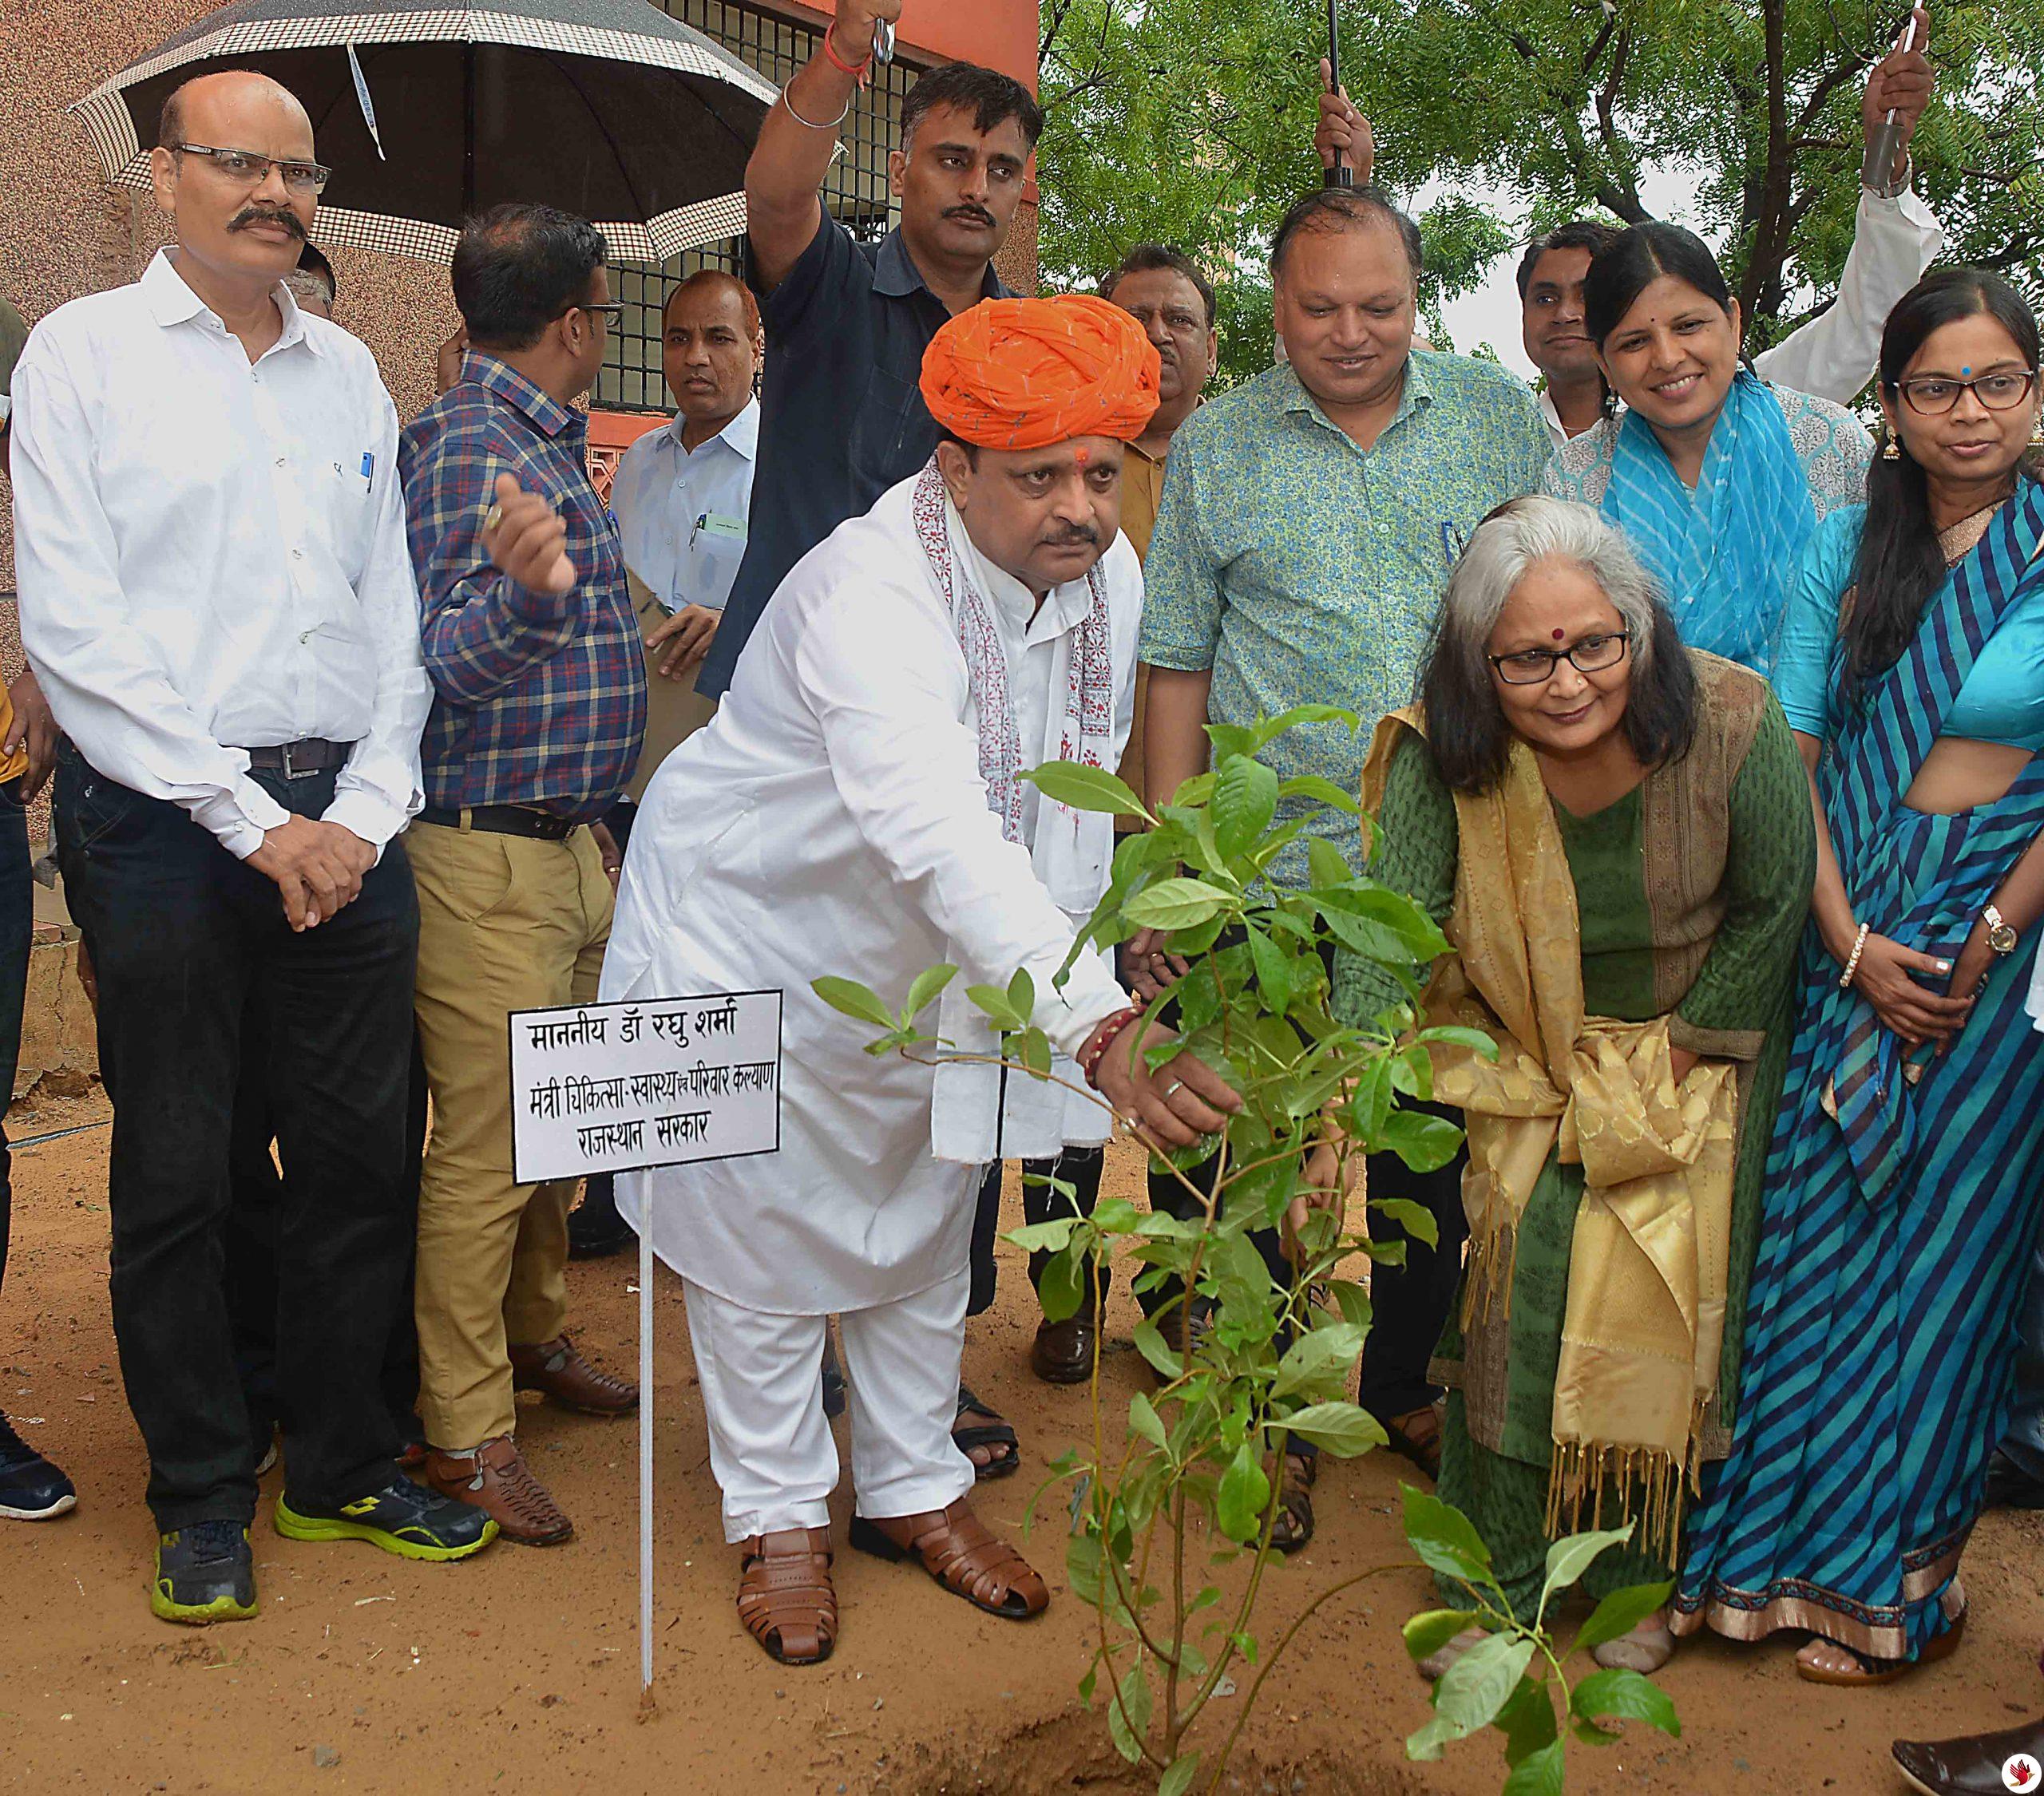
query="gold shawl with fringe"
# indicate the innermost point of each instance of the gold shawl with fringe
(1645, 1316)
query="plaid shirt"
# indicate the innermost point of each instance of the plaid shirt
(537, 700)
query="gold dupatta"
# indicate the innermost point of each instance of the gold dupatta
(1645, 1317)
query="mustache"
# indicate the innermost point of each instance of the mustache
(977, 214)
(1076, 536)
(282, 217)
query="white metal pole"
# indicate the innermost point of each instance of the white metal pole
(645, 1434)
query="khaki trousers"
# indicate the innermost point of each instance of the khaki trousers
(506, 923)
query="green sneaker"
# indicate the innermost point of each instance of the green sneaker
(402, 1518)
(204, 1573)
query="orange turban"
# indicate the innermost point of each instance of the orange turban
(1024, 373)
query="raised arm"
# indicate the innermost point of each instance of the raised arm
(798, 138)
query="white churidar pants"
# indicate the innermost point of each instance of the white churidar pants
(770, 1446)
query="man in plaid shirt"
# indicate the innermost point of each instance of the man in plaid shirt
(539, 706)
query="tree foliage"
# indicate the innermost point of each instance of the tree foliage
(1191, 121)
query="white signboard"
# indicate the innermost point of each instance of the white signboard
(656, 1082)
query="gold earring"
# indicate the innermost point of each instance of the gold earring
(1892, 451)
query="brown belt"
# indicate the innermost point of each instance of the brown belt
(295, 760)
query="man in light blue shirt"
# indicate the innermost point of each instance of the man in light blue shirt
(682, 493)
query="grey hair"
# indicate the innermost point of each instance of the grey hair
(1465, 723)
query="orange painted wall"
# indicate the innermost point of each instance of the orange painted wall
(995, 34)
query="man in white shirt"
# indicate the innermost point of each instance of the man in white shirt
(216, 589)
(1896, 238)
(682, 497)
(856, 807)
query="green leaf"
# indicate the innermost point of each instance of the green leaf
(850, 999)
(1620, 1613)
(1033, 1049)
(1273, 970)
(1454, 1035)
(1063, 1288)
(1128, 1717)
(1528, 1721)
(1415, 1219)
(1245, 801)
(929, 982)
(1538, 1773)
(1083, 1568)
(1085, 788)
(1425, 1143)
(1177, 1779)
(1174, 904)
(1431, 1630)
(1227, 738)
(1043, 1237)
(1144, 1421)
(1150, 1343)
(1327, 865)
(1332, 1349)
(1312, 785)
(1271, 728)
(1353, 1300)
(1627, 1696)
(1022, 996)
(1344, 1429)
(1239, 1504)
(1569, 1557)
(993, 1001)
(1373, 941)
(1477, 1685)
(1445, 1539)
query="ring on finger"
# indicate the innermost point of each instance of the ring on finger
(491, 519)
(1175, 1086)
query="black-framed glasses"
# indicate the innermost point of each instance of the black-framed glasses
(251, 170)
(1933, 395)
(610, 310)
(1594, 655)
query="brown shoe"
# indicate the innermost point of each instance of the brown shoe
(955, 1547)
(785, 1599)
(555, 1368)
(497, 1480)
(1063, 1352)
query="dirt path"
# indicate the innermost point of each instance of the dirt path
(518, 1673)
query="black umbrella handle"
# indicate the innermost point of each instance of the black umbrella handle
(1340, 175)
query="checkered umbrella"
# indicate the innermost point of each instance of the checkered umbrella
(608, 108)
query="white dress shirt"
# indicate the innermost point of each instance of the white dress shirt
(212, 555)
(1834, 355)
(833, 818)
(682, 513)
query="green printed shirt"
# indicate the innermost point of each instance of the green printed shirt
(1303, 569)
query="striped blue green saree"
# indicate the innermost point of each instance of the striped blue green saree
(1897, 1217)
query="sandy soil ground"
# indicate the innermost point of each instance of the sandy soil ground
(518, 1672)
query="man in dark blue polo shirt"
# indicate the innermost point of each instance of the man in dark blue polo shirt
(841, 417)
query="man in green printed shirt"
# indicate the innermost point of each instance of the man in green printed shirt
(1310, 518)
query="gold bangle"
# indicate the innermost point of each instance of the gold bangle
(1852, 965)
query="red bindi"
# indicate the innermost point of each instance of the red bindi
(1558, 635)
(1081, 456)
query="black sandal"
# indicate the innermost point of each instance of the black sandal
(994, 1432)
(1293, 1529)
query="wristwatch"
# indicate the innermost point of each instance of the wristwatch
(2001, 937)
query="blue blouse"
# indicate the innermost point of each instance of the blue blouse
(2002, 700)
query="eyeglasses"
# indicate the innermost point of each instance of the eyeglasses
(1536, 666)
(1934, 396)
(609, 309)
(248, 169)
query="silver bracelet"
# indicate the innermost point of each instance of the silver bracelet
(787, 106)
(1852, 965)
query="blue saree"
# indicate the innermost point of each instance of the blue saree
(1900, 1203)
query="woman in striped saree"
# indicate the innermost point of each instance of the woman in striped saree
(1904, 1181)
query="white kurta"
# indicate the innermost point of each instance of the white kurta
(833, 819)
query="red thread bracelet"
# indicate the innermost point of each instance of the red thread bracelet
(858, 72)
(1095, 1050)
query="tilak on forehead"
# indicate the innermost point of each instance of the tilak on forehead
(1025, 374)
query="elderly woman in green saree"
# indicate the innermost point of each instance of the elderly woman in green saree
(1613, 832)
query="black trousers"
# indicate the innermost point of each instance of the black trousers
(1078, 1167)
(255, 1215)
(187, 941)
(17, 922)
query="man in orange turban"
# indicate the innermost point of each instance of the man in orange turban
(857, 808)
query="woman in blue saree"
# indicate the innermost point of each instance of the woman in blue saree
(1716, 478)
(1904, 1181)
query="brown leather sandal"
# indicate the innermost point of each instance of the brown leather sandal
(954, 1547)
(1415, 1435)
(784, 1597)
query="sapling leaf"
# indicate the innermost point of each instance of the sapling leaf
(1569, 1557)
(1245, 801)
(1445, 1539)
(1344, 1429)
(1431, 1629)
(850, 999)
(1085, 788)
(1063, 1288)
(928, 983)
(1177, 1779)
(1624, 1696)
(1245, 1490)
(1173, 904)
(1415, 1219)
(1539, 1773)
(1620, 1613)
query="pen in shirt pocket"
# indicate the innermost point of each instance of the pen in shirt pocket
(1452, 542)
